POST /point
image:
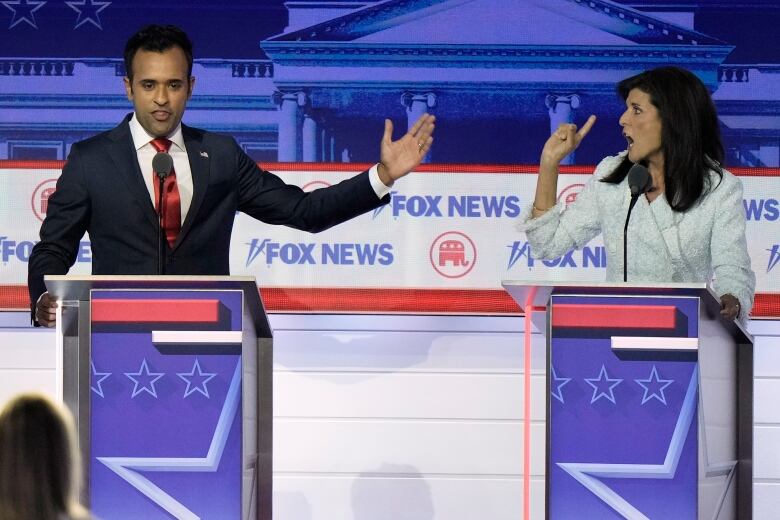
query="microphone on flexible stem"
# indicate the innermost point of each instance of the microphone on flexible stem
(640, 182)
(162, 164)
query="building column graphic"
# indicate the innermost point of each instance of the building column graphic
(416, 105)
(561, 108)
(290, 104)
(769, 153)
(310, 138)
(331, 146)
(324, 148)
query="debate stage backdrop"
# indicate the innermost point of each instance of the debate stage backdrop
(304, 87)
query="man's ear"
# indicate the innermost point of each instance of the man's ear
(129, 88)
(192, 86)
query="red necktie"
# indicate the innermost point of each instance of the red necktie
(171, 203)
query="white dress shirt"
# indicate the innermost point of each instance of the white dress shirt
(181, 164)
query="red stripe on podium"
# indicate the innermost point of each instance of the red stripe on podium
(155, 311)
(348, 300)
(342, 300)
(614, 316)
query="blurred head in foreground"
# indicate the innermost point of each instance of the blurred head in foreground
(39, 461)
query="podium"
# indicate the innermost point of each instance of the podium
(169, 379)
(648, 401)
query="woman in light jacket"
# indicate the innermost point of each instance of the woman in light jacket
(690, 226)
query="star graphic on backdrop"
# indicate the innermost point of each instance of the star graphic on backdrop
(89, 11)
(129, 468)
(144, 374)
(199, 386)
(589, 474)
(657, 384)
(97, 379)
(603, 386)
(23, 12)
(557, 384)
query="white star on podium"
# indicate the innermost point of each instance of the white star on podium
(204, 377)
(655, 382)
(144, 374)
(99, 378)
(599, 382)
(558, 383)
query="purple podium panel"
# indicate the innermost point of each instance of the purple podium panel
(166, 406)
(622, 417)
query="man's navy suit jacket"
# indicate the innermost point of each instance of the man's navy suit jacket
(101, 191)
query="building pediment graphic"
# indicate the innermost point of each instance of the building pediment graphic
(573, 22)
(401, 35)
(537, 61)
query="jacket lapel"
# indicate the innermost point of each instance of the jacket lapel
(125, 160)
(667, 223)
(649, 236)
(199, 166)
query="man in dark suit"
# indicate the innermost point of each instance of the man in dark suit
(108, 187)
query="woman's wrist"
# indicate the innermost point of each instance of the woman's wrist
(537, 210)
(543, 209)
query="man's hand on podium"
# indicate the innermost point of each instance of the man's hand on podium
(45, 310)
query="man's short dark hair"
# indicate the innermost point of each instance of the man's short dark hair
(157, 38)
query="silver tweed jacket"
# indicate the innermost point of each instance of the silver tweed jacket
(704, 244)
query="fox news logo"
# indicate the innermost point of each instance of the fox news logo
(302, 253)
(19, 251)
(762, 209)
(595, 257)
(466, 206)
(774, 257)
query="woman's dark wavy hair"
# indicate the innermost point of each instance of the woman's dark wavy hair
(690, 134)
(157, 38)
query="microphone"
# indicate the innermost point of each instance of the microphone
(162, 164)
(640, 182)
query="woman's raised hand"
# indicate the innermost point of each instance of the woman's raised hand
(564, 141)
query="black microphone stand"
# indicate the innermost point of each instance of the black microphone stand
(160, 234)
(634, 198)
(639, 182)
(162, 165)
